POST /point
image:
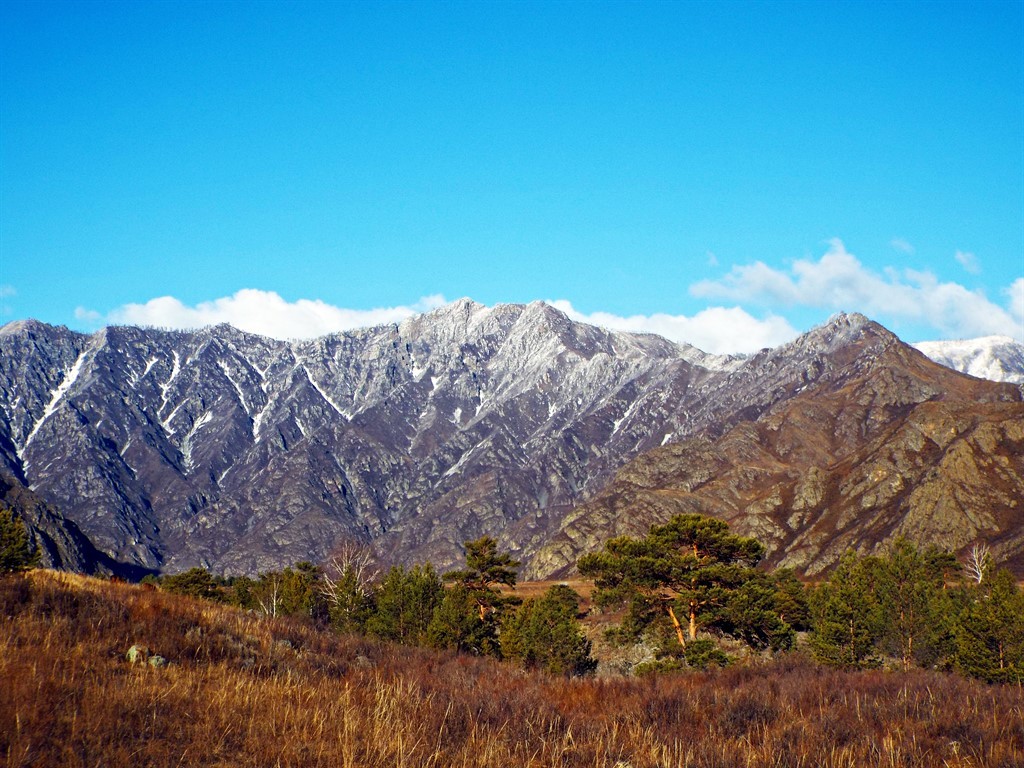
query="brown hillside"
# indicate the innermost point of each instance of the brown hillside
(240, 690)
(889, 444)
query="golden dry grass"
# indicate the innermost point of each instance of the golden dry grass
(241, 690)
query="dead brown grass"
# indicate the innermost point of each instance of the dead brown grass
(241, 690)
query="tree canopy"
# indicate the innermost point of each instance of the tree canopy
(485, 569)
(692, 566)
(546, 634)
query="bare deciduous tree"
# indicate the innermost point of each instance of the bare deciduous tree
(979, 562)
(347, 584)
(269, 598)
(350, 558)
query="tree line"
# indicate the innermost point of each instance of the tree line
(464, 610)
(692, 590)
(691, 584)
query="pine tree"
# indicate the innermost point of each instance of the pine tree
(692, 567)
(16, 550)
(753, 614)
(485, 569)
(195, 582)
(847, 614)
(456, 625)
(990, 635)
(546, 633)
(404, 604)
(917, 610)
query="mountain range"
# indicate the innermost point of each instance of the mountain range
(137, 450)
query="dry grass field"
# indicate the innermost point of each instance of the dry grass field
(243, 690)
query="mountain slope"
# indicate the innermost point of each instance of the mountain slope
(888, 445)
(217, 447)
(241, 453)
(57, 540)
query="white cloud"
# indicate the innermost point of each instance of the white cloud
(6, 291)
(90, 316)
(839, 281)
(968, 261)
(902, 245)
(262, 312)
(719, 330)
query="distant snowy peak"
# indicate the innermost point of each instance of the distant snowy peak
(997, 358)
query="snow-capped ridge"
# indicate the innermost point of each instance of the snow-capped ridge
(997, 358)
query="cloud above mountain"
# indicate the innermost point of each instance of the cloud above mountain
(839, 281)
(719, 330)
(262, 312)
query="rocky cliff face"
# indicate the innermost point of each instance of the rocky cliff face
(241, 453)
(58, 541)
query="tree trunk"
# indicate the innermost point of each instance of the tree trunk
(676, 625)
(693, 620)
(853, 643)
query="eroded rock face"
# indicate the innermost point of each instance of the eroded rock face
(240, 453)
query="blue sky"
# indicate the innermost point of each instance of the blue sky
(725, 173)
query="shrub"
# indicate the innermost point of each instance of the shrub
(195, 582)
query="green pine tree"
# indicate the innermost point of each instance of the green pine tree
(692, 570)
(917, 610)
(990, 635)
(456, 625)
(16, 550)
(847, 615)
(404, 604)
(195, 582)
(486, 568)
(546, 633)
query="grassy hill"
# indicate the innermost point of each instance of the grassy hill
(244, 690)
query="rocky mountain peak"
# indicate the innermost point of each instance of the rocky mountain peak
(21, 327)
(168, 449)
(841, 330)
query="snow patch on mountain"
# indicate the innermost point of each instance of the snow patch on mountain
(997, 358)
(55, 399)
